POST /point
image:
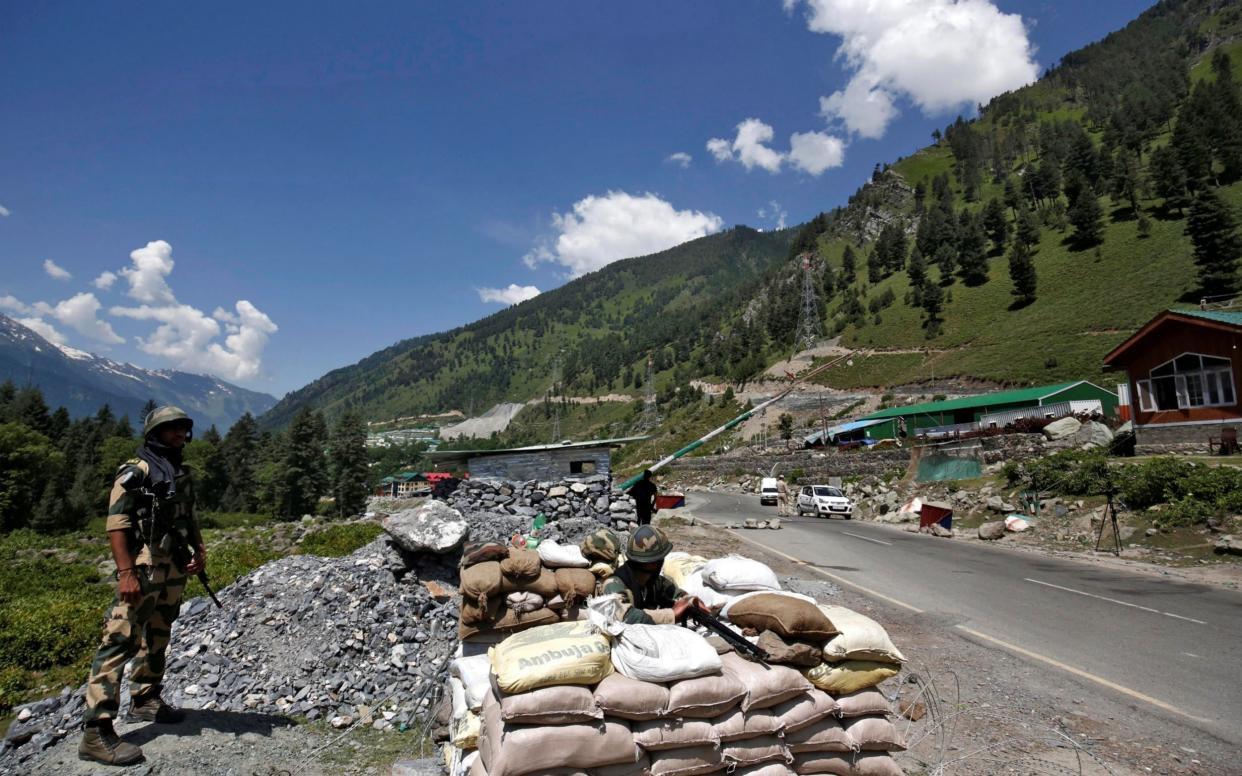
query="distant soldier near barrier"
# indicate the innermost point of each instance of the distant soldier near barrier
(156, 543)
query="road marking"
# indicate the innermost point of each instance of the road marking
(866, 539)
(1083, 674)
(830, 575)
(1115, 601)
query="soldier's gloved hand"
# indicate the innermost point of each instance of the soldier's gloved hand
(198, 562)
(129, 589)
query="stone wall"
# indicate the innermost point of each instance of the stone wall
(572, 507)
(1183, 439)
(816, 464)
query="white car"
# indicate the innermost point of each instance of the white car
(824, 501)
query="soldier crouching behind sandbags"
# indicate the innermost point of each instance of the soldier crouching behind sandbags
(156, 543)
(650, 597)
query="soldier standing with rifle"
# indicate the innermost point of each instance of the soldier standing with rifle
(156, 543)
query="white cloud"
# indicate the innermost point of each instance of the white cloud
(814, 152)
(186, 337)
(775, 212)
(14, 305)
(680, 158)
(55, 271)
(79, 312)
(617, 225)
(5, 212)
(940, 54)
(509, 295)
(720, 149)
(44, 329)
(105, 280)
(151, 265)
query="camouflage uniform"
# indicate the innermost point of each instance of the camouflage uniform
(649, 603)
(141, 632)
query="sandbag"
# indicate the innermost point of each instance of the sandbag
(735, 572)
(575, 584)
(832, 764)
(741, 595)
(705, 697)
(874, 734)
(475, 553)
(767, 769)
(465, 766)
(510, 622)
(560, 704)
(463, 723)
(563, 653)
(516, 750)
(674, 733)
(475, 675)
(765, 749)
(679, 565)
(806, 709)
(662, 653)
(694, 585)
(524, 602)
(789, 652)
(849, 676)
(480, 583)
(521, 565)
(473, 616)
(642, 767)
(620, 696)
(560, 556)
(738, 725)
(860, 638)
(789, 617)
(766, 686)
(863, 702)
(687, 762)
(544, 585)
(827, 735)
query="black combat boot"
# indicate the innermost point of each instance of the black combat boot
(101, 744)
(153, 709)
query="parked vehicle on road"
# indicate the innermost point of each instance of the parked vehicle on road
(769, 491)
(824, 501)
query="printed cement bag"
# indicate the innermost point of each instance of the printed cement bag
(849, 676)
(562, 556)
(860, 638)
(834, 764)
(679, 565)
(562, 653)
(674, 733)
(687, 762)
(620, 696)
(475, 675)
(874, 734)
(766, 686)
(738, 573)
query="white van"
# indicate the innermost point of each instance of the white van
(769, 491)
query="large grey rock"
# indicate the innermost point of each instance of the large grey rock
(1092, 434)
(1229, 545)
(992, 531)
(997, 504)
(433, 527)
(1060, 429)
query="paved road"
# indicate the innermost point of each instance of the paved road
(1173, 647)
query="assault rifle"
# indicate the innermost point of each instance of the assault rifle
(735, 640)
(173, 541)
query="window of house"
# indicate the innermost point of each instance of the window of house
(582, 467)
(1190, 380)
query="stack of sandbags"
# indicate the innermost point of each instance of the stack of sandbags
(505, 589)
(717, 582)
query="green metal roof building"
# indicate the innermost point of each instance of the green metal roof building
(991, 409)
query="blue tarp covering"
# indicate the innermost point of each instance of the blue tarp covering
(844, 428)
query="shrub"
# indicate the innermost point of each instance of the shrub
(226, 562)
(48, 630)
(1152, 482)
(1070, 472)
(338, 540)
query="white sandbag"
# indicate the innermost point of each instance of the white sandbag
(475, 675)
(652, 653)
(679, 565)
(860, 638)
(562, 556)
(466, 764)
(693, 585)
(524, 603)
(742, 596)
(735, 572)
(463, 723)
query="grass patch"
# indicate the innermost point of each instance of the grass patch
(336, 541)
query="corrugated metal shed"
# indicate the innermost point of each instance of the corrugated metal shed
(1018, 396)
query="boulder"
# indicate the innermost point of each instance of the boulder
(1060, 429)
(774, 524)
(433, 527)
(992, 531)
(1092, 434)
(997, 504)
(1229, 545)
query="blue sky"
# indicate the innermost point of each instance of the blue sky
(303, 184)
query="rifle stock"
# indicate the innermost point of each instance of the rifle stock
(736, 640)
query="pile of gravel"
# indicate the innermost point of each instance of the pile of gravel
(573, 508)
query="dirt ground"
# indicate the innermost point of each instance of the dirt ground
(990, 712)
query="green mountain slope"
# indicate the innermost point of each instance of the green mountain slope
(599, 329)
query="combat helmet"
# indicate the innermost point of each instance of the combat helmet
(602, 545)
(647, 544)
(166, 414)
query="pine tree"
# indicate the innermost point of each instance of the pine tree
(933, 301)
(917, 271)
(946, 260)
(972, 251)
(240, 455)
(875, 267)
(1086, 215)
(1168, 179)
(350, 470)
(1126, 179)
(848, 263)
(1028, 227)
(1213, 229)
(1022, 273)
(303, 472)
(147, 409)
(212, 477)
(996, 224)
(29, 409)
(1013, 196)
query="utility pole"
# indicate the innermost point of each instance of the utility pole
(810, 328)
(651, 413)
